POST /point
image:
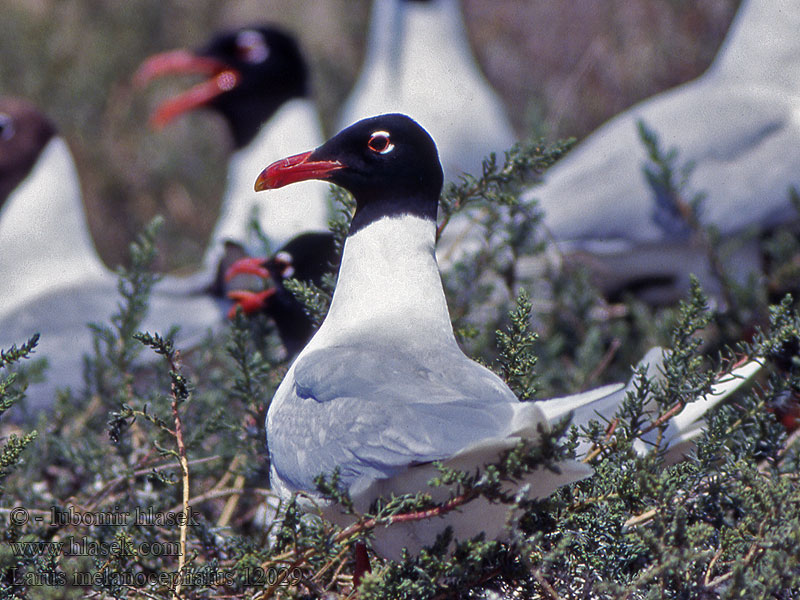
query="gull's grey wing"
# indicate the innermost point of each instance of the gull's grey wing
(395, 410)
(735, 137)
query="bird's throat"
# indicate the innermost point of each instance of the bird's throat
(389, 283)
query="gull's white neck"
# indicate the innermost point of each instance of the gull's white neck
(389, 287)
(436, 21)
(281, 214)
(405, 40)
(44, 237)
(763, 46)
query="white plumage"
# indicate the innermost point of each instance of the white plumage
(55, 283)
(738, 124)
(418, 62)
(294, 210)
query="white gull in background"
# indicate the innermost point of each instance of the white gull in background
(44, 238)
(54, 281)
(382, 390)
(418, 61)
(738, 124)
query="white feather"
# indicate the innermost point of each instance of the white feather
(418, 62)
(44, 237)
(735, 124)
(281, 214)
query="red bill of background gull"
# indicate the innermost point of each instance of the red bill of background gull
(306, 258)
(256, 78)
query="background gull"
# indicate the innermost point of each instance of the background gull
(734, 124)
(53, 281)
(257, 79)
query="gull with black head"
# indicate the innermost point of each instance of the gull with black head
(257, 80)
(306, 258)
(382, 390)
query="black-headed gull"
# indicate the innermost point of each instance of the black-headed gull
(307, 258)
(382, 389)
(258, 80)
(44, 236)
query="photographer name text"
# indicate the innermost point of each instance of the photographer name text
(59, 517)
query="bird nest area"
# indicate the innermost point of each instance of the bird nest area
(151, 481)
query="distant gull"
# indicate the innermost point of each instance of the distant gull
(738, 124)
(257, 79)
(306, 258)
(54, 283)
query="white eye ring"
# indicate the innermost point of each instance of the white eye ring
(285, 259)
(378, 136)
(252, 46)
(7, 129)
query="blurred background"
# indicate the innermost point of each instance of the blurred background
(561, 68)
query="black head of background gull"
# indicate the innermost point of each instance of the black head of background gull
(24, 133)
(256, 78)
(389, 163)
(251, 72)
(307, 258)
(262, 56)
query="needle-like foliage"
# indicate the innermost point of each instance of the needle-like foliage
(153, 480)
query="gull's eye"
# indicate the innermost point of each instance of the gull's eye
(251, 46)
(6, 127)
(380, 142)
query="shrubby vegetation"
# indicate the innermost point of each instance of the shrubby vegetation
(154, 478)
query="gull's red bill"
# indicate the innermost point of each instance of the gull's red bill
(293, 169)
(221, 79)
(249, 302)
(181, 62)
(247, 266)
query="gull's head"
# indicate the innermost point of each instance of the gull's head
(248, 73)
(389, 163)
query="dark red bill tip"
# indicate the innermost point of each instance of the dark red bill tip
(293, 169)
